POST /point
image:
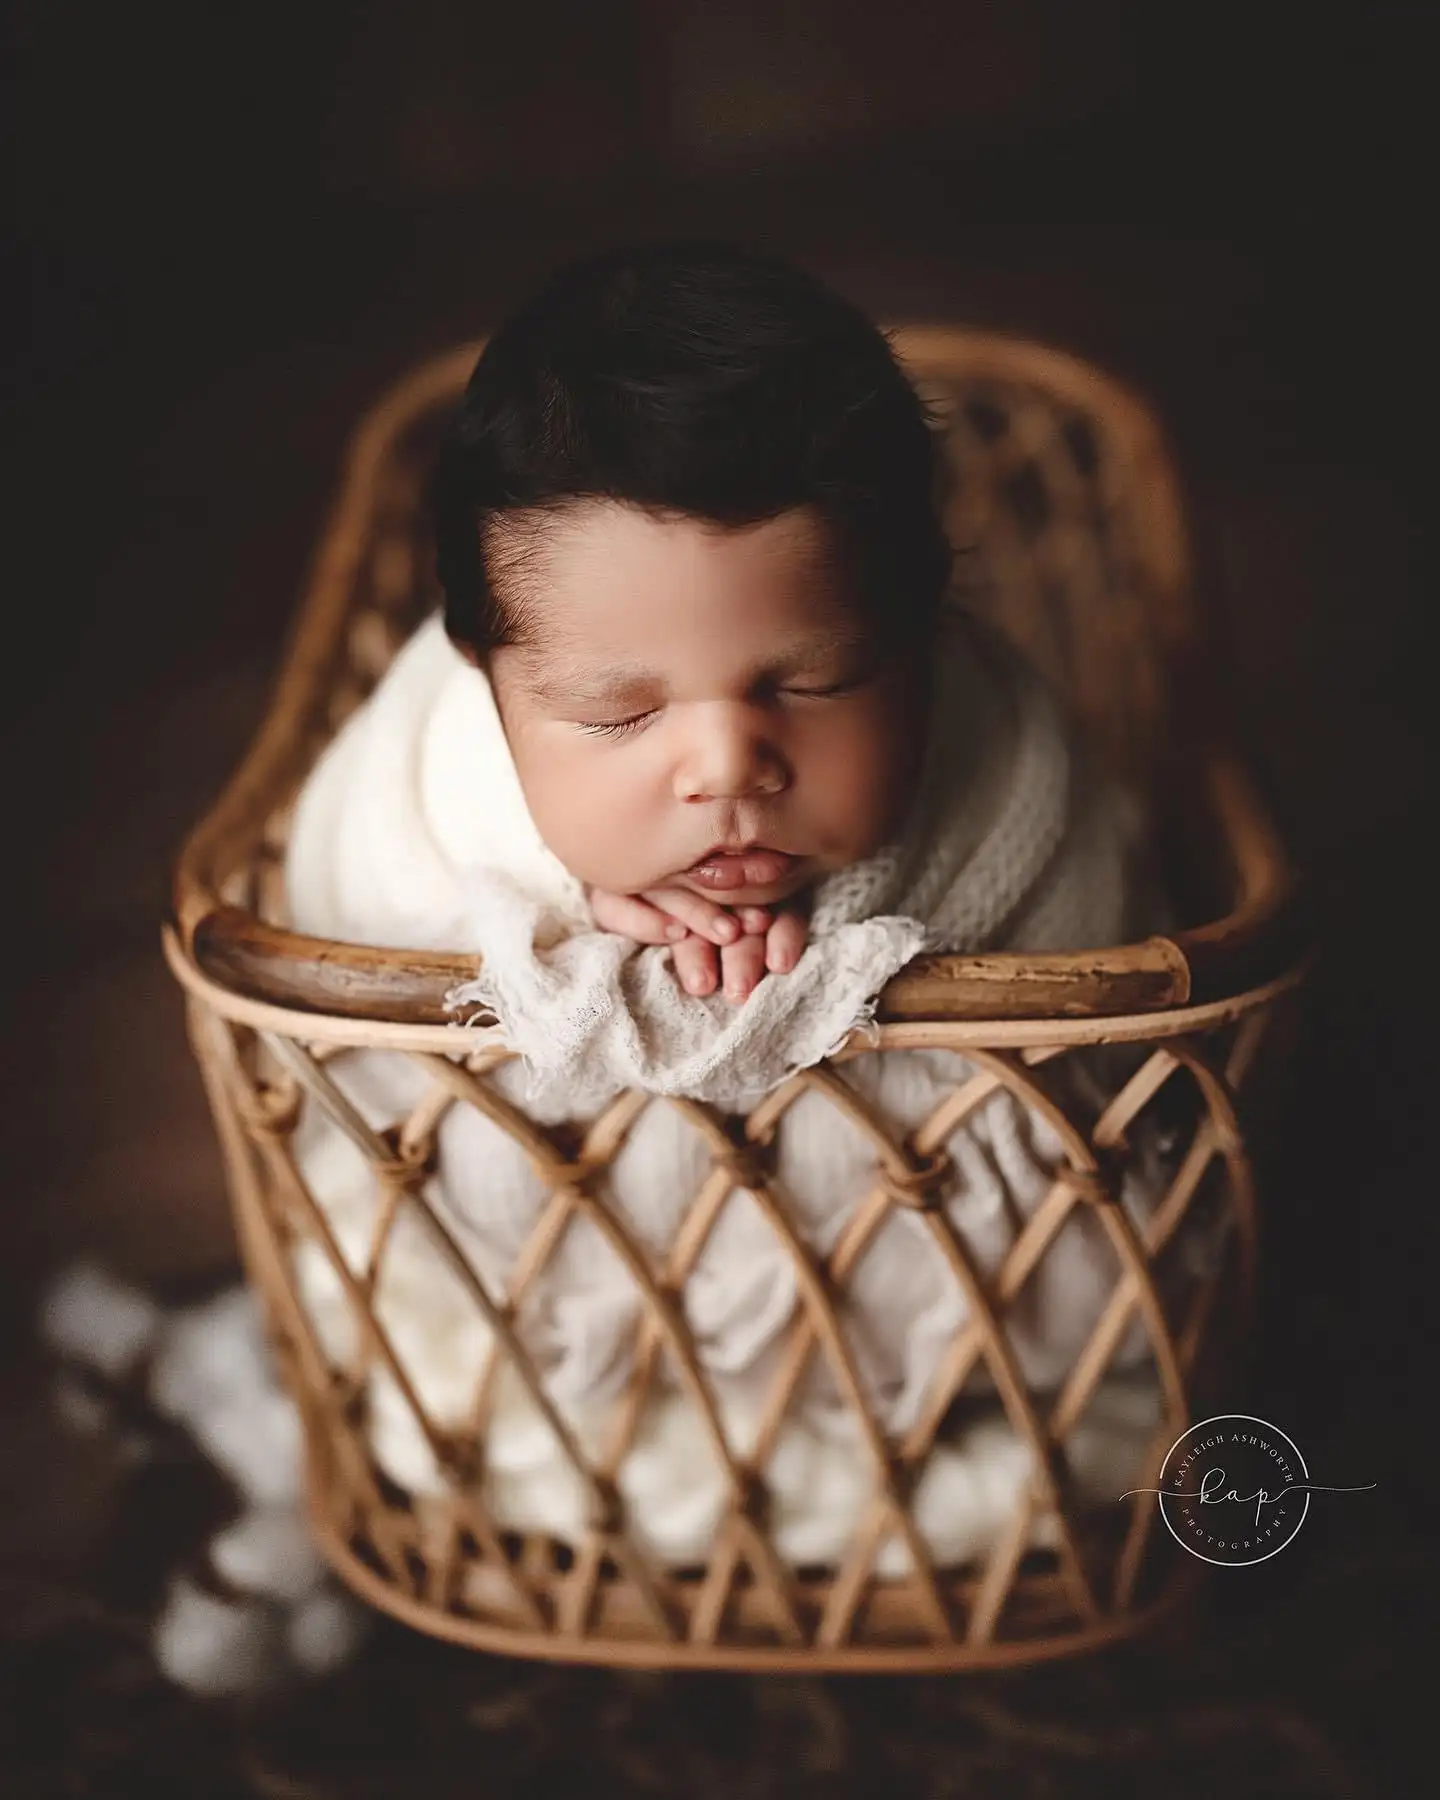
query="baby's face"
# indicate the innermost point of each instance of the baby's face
(704, 707)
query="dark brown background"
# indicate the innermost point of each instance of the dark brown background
(226, 233)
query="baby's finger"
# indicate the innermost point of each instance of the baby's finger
(785, 942)
(631, 917)
(755, 921)
(697, 965)
(742, 968)
(696, 912)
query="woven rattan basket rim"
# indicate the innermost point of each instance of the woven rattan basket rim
(937, 1031)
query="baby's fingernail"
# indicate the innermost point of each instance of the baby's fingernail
(675, 932)
(726, 929)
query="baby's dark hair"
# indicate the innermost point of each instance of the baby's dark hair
(692, 379)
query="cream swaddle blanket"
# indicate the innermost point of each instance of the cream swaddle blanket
(413, 831)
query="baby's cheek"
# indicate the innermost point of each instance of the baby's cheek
(562, 798)
(861, 776)
(588, 816)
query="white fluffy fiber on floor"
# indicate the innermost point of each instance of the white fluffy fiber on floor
(324, 1631)
(89, 1317)
(269, 1553)
(215, 1647)
(210, 1373)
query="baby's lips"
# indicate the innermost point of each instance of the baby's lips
(743, 869)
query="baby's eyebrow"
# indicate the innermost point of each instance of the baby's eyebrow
(558, 682)
(817, 653)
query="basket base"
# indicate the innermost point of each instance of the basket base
(1038, 1621)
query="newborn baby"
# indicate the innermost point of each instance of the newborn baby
(700, 688)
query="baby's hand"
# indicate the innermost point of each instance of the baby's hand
(771, 943)
(714, 946)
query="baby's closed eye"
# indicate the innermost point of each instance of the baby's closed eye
(823, 691)
(614, 728)
(763, 694)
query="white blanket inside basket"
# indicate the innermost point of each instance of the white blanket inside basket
(820, 1479)
(413, 831)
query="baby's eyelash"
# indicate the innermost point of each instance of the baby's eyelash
(616, 728)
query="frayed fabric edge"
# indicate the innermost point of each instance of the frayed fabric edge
(475, 992)
(481, 994)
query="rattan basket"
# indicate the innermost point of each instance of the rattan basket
(1069, 506)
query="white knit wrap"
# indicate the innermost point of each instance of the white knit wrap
(992, 811)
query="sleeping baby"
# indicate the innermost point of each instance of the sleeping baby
(701, 752)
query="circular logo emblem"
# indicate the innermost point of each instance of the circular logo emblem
(1233, 1490)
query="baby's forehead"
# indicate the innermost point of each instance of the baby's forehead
(616, 594)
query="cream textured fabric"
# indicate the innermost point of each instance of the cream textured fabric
(580, 1327)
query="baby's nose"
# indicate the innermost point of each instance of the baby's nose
(731, 759)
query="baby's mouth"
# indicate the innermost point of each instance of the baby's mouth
(753, 867)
